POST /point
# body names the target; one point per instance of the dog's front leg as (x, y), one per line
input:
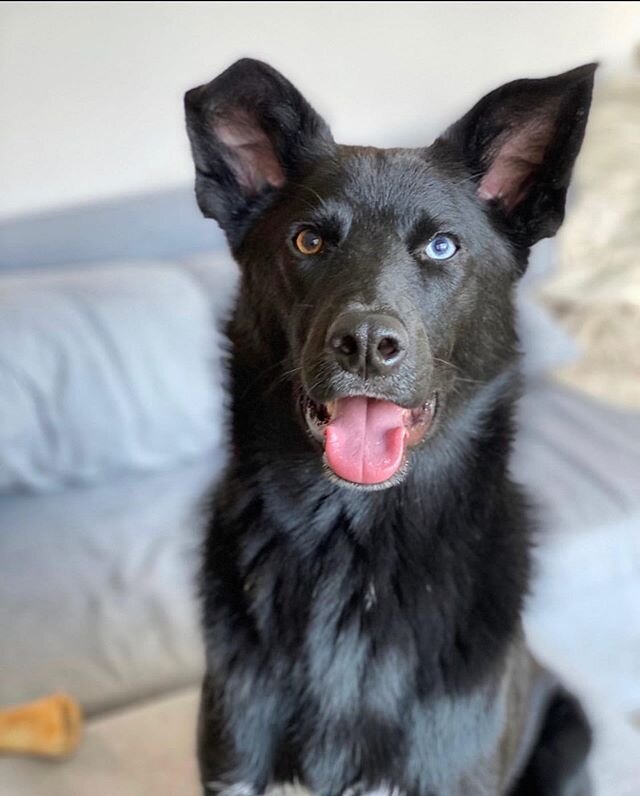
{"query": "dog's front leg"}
(236, 746)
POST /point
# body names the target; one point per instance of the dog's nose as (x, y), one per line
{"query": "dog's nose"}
(367, 344)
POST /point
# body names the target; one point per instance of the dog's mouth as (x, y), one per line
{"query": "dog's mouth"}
(366, 440)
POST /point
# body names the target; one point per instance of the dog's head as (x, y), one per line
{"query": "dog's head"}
(382, 279)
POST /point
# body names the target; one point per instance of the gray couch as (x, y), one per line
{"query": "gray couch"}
(100, 510)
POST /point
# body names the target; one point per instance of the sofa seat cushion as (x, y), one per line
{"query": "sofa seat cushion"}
(98, 591)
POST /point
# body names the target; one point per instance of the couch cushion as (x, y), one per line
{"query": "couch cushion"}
(102, 371)
(97, 589)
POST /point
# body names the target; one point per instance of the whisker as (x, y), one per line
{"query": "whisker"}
(281, 378)
(457, 377)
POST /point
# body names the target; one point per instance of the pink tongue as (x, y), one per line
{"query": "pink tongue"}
(364, 442)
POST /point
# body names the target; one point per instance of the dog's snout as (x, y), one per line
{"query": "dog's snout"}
(367, 344)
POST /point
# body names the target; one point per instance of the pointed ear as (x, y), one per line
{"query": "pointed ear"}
(251, 131)
(520, 142)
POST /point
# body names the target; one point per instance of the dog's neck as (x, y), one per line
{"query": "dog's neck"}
(455, 526)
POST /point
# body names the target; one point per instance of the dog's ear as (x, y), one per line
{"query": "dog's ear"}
(519, 144)
(251, 130)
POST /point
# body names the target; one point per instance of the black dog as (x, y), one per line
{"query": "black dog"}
(368, 554)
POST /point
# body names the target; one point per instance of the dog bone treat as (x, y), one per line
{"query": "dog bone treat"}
(50, 727)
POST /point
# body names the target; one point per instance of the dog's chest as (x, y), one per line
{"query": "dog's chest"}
(364, 673)
(355, 639)
(348, 637)
(351, 621)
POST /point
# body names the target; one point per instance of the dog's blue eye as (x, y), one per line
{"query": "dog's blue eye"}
(440, 248)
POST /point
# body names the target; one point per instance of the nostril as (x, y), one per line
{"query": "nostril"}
(388, 348)
(345, 344)
(367, 344)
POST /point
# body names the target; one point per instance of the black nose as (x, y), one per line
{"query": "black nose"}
(367, 344)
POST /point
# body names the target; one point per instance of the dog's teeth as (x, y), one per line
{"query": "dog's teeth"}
(429, 404)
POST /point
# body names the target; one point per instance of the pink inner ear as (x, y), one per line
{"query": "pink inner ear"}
(520, 154)
(252, 156)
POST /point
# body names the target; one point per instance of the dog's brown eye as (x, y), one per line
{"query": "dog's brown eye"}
(307, 241)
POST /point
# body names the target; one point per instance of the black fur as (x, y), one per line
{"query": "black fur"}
(358, 638)
(561, 747)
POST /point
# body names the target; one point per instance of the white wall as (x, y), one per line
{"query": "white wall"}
(91, 93)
